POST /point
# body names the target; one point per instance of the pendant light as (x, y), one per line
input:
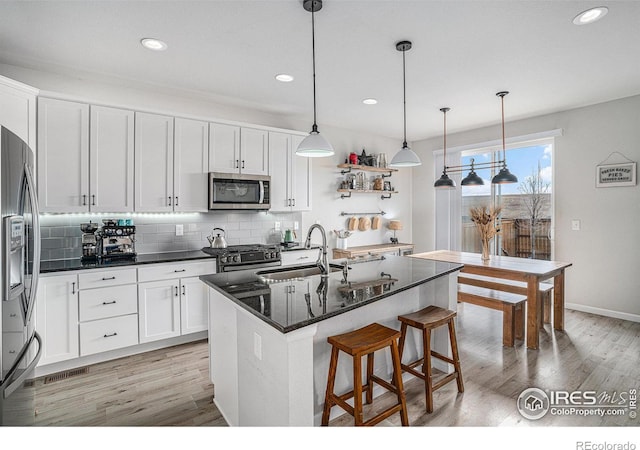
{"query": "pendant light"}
(405, 157)
(472, 179)
(504, 176)
(314, 145)
(445, 182)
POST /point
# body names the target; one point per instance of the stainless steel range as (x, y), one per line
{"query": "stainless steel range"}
(242, 257)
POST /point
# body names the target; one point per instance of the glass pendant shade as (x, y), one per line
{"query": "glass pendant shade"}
(472, 179)
(405, 158)
(504, 177)
(314, 146)
(444, 182)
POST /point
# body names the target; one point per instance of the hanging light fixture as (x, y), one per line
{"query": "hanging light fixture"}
(314, 145)
(405, 157)
(445, 182)
(504, 176)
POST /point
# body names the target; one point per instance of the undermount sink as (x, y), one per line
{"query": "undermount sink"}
(293, 272)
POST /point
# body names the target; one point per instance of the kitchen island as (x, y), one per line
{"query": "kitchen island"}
(269, 356)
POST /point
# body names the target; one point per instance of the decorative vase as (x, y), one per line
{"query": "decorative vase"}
(485, 249)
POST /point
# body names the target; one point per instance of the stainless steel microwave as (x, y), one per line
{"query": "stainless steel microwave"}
(239, 191)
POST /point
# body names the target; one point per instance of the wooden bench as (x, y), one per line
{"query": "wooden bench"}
(515, 287)
(511, 305)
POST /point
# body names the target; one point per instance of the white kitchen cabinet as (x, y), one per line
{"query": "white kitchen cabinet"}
(158, 310)
(18, 112)
(194, 305)
(191, 161)
(172, 301)
(234, 149)
(111, 159)
(224, 148)
(153, 163)
(63, 156)
(85, 157)
(290, 174)
(57, 318)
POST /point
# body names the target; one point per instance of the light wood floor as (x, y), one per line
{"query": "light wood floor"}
(170, 387)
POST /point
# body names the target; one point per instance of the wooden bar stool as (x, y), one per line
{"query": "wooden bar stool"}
(426, 320)
(358, 343)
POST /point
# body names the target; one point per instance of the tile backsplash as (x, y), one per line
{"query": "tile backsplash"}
(61, 235)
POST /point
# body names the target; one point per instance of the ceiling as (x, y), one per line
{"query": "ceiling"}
(229, 51)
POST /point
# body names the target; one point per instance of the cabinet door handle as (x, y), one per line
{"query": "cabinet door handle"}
(108, 278)
(184, 291)
(181, 270)
(177, 292)
(243, 163)
(237, 165)
(294, 202)
(112, 302)
(288, 202)
(13, 315)
(169, 200)
(176, 201)
(111, 335)
(84, 200)
(304, 257)
(73, 287)
(93, 199)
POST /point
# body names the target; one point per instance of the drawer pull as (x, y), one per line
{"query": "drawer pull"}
(13, 315)
(112, 302)
(12, 352)
(108, 278)
(181, 270)
(304, 257)
(110, 335)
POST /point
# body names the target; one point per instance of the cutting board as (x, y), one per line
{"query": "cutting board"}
(364, 224)
(375, 223)
(353, 224)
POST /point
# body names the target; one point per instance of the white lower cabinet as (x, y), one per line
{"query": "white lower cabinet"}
(158, 310)
(108, 334)
(194, 306)
(57, 317)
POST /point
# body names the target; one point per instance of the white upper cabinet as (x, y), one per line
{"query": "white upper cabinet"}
(18, 111)
(191, 161)
(153, 163)
(254, 151)
(63, 156)
(234, 149)
(85, 157)
(290, 174)
(111, 160)
(224, 148)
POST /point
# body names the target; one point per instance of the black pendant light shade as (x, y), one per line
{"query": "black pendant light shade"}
(504, 176)
(472, 179)
(444, 182)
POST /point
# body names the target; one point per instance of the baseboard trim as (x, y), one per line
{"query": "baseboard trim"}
(603, 312)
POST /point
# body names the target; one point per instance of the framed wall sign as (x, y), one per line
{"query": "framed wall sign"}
(614, 175)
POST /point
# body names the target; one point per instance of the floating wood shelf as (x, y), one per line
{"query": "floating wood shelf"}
(351, 167)
(383, 194)
(368, 250)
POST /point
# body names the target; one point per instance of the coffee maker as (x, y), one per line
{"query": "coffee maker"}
(90, 247)
(117, 240)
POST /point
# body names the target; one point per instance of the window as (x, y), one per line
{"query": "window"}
(526, 228)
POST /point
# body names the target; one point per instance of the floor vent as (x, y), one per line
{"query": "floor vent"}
(66, 374)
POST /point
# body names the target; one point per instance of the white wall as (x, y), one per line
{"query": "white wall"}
(326, 202)
(606, 251)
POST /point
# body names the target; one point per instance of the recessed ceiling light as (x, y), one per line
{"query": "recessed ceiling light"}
(153, 44)
(369, 101)
(590, 15)
(285, 78)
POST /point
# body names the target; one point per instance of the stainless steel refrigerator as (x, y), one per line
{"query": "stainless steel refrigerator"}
(19, 264)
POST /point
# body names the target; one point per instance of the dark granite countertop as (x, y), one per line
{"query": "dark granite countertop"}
(63, 265)
(293, 304)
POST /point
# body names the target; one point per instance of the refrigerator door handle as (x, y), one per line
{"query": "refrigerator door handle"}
(35, 213)
(17, 382)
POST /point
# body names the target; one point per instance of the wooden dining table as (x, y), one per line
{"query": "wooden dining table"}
(529, 271)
